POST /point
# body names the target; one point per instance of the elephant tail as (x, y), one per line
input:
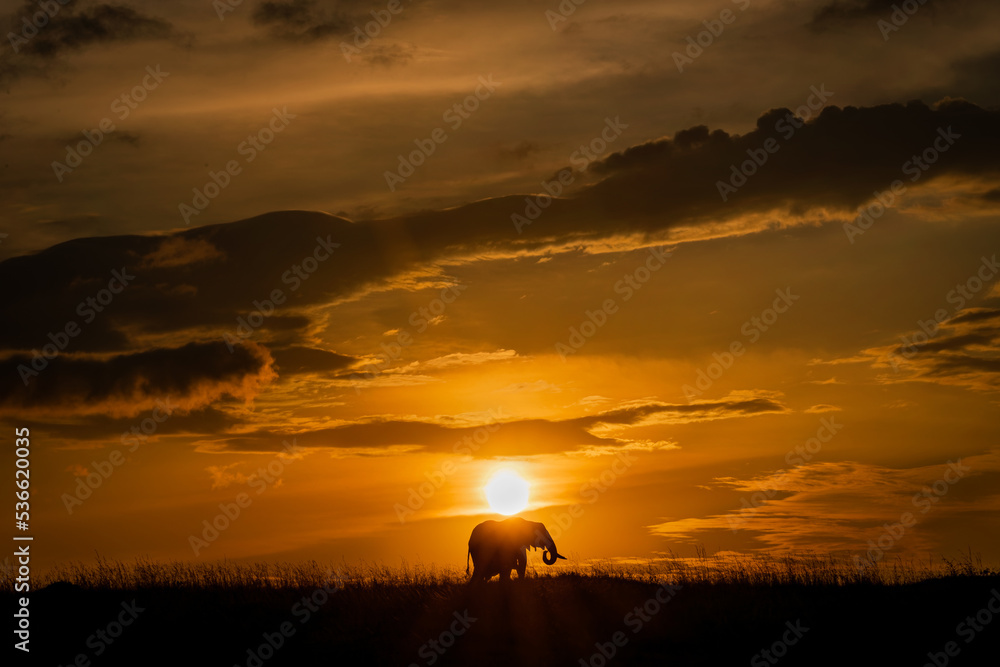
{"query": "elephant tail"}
(469, 553)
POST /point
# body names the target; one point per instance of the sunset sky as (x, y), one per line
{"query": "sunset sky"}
(700, 273)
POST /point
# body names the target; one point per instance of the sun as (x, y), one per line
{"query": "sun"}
(507, 492)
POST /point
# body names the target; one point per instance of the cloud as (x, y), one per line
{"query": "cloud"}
(78, 470)
(460, 359)
(72, 29)
(838, 506)
(603, 433)
(815, 166)
(976, 315)
(821, 408)
(191, 377)
(91, 428)
(964, 351)
(209, 282)
(225, 476)
(846, 11)
(643, 193)
(302, 20)
(654, 412)
(297, 359)
(177, 251)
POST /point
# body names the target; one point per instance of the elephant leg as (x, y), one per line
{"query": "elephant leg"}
(520, 564)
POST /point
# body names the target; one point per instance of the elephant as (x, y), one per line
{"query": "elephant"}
(497, 547)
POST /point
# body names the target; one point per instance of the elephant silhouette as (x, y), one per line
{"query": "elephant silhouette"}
(497, 547)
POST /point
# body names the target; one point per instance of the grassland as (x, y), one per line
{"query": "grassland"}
(706, 611)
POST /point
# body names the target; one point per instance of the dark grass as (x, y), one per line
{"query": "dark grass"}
(724, 612)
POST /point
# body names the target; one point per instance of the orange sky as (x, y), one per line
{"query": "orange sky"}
(761, 312)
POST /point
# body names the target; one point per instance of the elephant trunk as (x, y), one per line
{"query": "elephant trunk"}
(542, 539)
(550, 555)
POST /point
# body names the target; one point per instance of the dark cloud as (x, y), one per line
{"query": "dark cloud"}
(849, 10)
(191, 377)
(299, 359)
(976, 315)
(99, 427)
(219, 280)
(508, 438)
(965, 352)
(303, 20)
(846, 11)
(74, 28)
(841, 504)
(208, 277)
(962, 365)
(951, 343)
(835, 161)
(636, 413)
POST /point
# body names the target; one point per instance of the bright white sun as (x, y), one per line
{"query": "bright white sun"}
(507, 492)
